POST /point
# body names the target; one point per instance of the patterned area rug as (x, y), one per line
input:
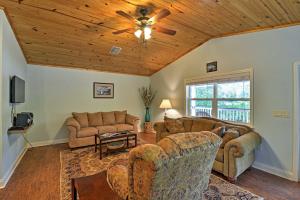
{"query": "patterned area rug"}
(84, 162)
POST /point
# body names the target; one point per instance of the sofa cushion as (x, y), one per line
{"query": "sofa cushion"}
(219, 124)
(124, 127)
(242, 130)
(187, 124)
(108, 118)
(230, 134)
(95, 119)
(120, 117)
(174, 125)
(82, 119)
(107, 129)
(87, 132)
(202, 125)
(218, 166)
(220, 155)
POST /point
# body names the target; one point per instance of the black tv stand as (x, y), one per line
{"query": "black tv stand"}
(18, 128)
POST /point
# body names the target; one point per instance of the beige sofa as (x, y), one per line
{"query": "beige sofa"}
(236, 152)
(83, 126)
(177, 167)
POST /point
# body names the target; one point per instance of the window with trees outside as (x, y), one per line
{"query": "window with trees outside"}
(227, 98)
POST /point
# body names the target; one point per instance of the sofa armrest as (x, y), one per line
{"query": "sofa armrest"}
(73, 122)
(160, 130)
(159, 127)
(239, 154)
(243, 144)
(130, 119)
(144, 157)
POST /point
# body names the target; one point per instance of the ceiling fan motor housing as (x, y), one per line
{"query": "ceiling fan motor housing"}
(144, 11)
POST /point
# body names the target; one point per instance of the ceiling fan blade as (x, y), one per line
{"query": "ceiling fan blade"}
(162, 14)
(165, 30)
(124, 14)
(122, 31)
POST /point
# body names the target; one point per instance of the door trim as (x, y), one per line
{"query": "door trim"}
(296, 121)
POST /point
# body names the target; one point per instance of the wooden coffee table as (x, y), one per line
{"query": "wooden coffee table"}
(93, 187)
(125, 137)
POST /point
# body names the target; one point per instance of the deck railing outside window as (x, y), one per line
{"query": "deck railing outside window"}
(228, 100)
(227, 114)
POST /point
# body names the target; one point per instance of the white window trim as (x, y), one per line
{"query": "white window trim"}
(213, 76)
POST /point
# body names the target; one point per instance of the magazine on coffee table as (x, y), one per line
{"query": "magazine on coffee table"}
(113, 134)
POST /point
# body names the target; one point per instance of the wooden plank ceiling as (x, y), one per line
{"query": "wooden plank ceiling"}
(78, 33)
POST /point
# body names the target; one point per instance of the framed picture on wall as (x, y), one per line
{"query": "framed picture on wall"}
(212, 66)
(103, 90)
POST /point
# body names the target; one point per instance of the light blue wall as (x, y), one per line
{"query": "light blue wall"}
(12, 63)
(54, 93)
(271, 54)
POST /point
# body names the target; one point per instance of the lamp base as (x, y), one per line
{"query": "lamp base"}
(165, 116)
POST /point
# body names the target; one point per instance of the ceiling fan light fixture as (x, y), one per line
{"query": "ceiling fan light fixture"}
(147, 33)
(144, 23)
(147, 36)
(138, 33)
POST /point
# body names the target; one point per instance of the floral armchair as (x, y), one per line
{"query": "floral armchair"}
(178, 167)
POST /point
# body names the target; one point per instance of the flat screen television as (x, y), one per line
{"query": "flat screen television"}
(17, 90)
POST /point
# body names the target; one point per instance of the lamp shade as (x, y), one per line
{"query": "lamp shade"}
(165, 104)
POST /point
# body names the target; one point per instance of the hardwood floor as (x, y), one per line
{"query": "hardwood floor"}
(37, 178)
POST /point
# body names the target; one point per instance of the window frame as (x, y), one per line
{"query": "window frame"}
(213, 78)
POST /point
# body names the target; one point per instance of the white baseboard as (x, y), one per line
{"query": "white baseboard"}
(9, 173)
(273, 170)
(49, 142)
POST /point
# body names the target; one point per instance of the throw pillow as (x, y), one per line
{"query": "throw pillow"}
(219, 131)
(82, 119)
(230, 134)
(243, 130)
(108, 118)
(95, 119)
(202, 125)
(174, 125)
(218, 124)
(120, 116)
(187, 124)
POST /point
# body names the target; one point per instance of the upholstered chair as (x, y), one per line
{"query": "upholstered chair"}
(177, 168)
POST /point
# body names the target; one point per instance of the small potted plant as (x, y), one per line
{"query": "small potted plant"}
(147, 96)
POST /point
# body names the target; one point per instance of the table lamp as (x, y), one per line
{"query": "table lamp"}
(165, 104)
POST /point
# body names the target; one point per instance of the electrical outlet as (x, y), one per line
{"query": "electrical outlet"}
(280, 113)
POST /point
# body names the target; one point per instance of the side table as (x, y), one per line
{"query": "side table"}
(93, 187)
(148, 127)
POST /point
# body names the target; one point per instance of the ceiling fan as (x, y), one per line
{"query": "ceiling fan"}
(144, 24)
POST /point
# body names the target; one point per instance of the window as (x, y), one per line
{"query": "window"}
(226, 97)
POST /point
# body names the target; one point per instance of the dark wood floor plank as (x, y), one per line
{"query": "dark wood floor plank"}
(37, 178)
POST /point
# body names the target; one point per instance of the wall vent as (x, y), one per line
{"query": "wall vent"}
(115, 50)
